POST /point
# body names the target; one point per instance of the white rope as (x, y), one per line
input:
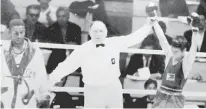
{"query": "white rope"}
(129, 50)
(131, 91)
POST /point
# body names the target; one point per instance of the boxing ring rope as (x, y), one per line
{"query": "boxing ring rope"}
(130, 91)
(129, 50)
(187, 94)
(191, 97)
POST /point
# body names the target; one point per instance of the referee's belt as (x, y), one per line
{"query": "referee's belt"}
(170, 91)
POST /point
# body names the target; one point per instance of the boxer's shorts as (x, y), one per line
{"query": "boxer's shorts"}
(168, 101)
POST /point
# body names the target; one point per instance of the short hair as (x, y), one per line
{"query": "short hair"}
(34, 6)
(150, 40)
(16, 22)
(39, 0)
(162, 24)
(179, 42)
(61, 8)
(150, 81)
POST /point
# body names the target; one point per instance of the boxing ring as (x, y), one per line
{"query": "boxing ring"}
(194, 97)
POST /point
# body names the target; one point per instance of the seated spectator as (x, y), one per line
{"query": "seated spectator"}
(62, 32)
(155, 63)
(173, 8)
(97, 8)
(146, 101)
(201, 37)
(164, 29)
(35, 30)
(201, 10)
(47, 14)
(8, 12)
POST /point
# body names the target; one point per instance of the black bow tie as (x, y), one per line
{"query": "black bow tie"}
(150, 102)
(98, 45)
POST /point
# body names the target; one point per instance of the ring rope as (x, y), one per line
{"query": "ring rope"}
(129, 50)
(131, 91)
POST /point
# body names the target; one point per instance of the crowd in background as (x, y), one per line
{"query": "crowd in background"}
(45, 23)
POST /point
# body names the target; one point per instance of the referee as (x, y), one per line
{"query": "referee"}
(99, 61)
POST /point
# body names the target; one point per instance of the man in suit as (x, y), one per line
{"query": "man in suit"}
(164, 29)
(62, 32)
(155, 63)
(173, 8)
(35, 30)
(202, 8)
(201, 38)
(8, 12)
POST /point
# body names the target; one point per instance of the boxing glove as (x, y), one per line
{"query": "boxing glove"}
(151, 9)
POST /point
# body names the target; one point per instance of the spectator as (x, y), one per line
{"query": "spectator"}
(201, 38)
(173, 8)
(97, 8)
(164, 29)
(100, 14)
(201, 10)
(47, 14)
(62, 32)
(146, 101)
(154, 62)
(35, 30)
(8, 12)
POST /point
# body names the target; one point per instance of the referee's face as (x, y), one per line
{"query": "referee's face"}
(98, 32)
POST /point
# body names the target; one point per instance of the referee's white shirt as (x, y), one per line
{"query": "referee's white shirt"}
(100, 65)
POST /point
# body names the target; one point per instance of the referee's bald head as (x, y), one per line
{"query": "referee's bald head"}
(98, 24)
(98, 31)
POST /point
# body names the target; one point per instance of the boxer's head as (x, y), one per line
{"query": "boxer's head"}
(179, 44)
(98, 32)
(17, 31)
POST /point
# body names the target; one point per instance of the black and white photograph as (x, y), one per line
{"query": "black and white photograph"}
(116, 54)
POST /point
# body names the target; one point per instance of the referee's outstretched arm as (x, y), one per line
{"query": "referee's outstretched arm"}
(68, 66)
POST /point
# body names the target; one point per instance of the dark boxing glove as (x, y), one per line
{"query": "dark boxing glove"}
(151, 9)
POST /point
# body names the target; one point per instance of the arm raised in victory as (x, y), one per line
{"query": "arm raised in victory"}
(190, 57)
(163, 40)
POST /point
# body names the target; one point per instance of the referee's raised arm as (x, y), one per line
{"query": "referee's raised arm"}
(134, 38)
